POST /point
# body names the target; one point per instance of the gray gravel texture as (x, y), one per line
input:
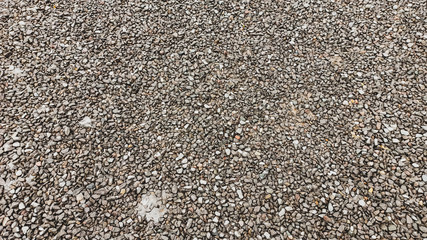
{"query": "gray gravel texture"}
(213, 119)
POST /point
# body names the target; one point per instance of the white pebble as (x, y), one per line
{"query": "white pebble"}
(330, 207)
(239, 192)
(282, 212)
(403, 132)
(21, 206)
(180, 156)
(7, 147)
(288, 208)
(227, 151)
(79, 197)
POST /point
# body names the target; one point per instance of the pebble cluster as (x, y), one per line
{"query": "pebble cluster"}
(210, 119)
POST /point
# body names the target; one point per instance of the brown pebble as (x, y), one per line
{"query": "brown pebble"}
(327, 219)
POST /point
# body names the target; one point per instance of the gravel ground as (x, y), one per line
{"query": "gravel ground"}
(213, 119)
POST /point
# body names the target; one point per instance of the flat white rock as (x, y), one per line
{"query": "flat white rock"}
(151, 208)
(86, 122)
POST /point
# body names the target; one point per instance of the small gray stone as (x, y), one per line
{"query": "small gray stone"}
(392, 227)
(67, 131)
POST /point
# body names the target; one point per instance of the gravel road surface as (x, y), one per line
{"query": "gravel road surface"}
(206, 119)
